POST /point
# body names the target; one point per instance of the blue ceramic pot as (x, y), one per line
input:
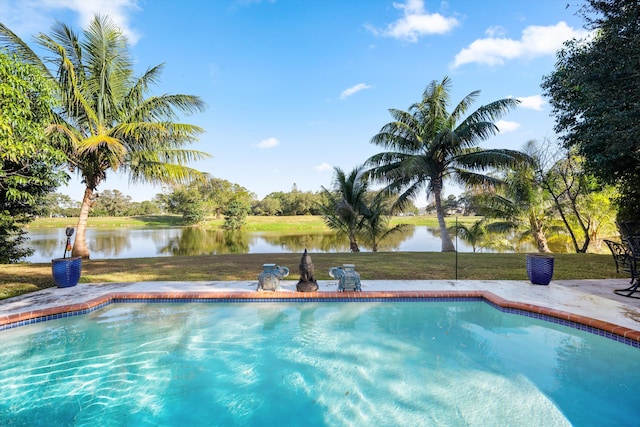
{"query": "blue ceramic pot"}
(66, 271)
(539, 268)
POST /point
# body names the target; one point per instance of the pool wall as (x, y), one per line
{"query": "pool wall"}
(618, 333)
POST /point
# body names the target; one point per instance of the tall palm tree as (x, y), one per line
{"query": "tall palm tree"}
(427, 145)
(104, 119)
(345, 204)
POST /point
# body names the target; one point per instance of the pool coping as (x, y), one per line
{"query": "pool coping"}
(599, 327)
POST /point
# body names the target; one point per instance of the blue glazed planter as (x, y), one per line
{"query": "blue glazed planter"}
(66, 271)
(539, 268)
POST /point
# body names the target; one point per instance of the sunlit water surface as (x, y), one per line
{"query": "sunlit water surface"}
(126, 242)
(314, 364)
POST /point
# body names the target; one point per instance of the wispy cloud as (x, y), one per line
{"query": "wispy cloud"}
(506, 126)
(353, 89)
(415, 22)
(495, 31)
(268, 143)
(535, 41)
(324, 166)
(38, 11)
(535, 102)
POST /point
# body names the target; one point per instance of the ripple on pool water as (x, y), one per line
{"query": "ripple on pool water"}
(308, 364)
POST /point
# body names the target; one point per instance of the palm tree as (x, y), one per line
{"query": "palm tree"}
(344, 206)
(521, 206)
(376, 221)
(473, 234)
(427, 145)
(104, 119)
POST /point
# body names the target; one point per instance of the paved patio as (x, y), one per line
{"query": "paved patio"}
(590, 302)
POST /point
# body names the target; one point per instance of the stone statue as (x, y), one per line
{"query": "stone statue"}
(306, 283)
(348, 277)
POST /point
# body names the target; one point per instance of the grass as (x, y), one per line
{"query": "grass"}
(116, 221)
(17, 279)
(254, 223)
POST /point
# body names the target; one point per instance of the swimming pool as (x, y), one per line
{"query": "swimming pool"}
(314, 363)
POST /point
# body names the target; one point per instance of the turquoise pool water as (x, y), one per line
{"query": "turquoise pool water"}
(314, 364)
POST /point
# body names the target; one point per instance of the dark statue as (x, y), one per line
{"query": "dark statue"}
(306, 283)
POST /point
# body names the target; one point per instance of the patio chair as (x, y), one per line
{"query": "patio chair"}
(625, 258)
(622, 256)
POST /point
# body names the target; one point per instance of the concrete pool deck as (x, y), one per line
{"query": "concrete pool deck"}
(587, 302)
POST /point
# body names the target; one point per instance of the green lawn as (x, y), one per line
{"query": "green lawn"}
(16, 279)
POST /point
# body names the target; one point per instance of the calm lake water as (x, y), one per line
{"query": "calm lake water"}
(110, 243)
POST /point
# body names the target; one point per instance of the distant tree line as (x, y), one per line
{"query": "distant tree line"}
(196, 202)
(108, 203)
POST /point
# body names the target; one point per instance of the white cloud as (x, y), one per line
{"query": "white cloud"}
(117, 10)
(324, 166)
(495, 31)
(535, 41)
(268, 143)
(505, 126)
(353, 89)
(38, 12)
(415, 22)
(23, 17)
(535, 102)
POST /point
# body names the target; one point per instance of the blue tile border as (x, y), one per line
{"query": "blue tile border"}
(568, 323)
(516, 311)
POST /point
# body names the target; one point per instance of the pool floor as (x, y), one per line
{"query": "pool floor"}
(406, 362)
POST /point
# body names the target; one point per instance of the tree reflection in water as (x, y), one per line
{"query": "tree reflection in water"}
(110, 243)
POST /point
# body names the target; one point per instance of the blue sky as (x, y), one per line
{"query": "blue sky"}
(296, 87)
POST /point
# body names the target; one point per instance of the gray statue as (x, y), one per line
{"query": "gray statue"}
(306, 283)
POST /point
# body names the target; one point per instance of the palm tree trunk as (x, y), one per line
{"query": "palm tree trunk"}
(447, 244)
(353, 244)
(80, 247)
(541, 241)
(539, 236)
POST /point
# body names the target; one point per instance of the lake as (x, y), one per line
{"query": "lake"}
(111, 243)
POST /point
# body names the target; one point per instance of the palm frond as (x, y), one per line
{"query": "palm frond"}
(168, 156)
(16, 46)
(63, 35)
(501, 226)
(462, 107)
(476, 181)
(138, 90)
(110, 151)
(162, 173)
(479, 159)
(162, 108)
(492, 111)
(108, 62)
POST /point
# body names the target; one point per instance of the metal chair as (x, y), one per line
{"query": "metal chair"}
(625, 256)
(622, 256)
